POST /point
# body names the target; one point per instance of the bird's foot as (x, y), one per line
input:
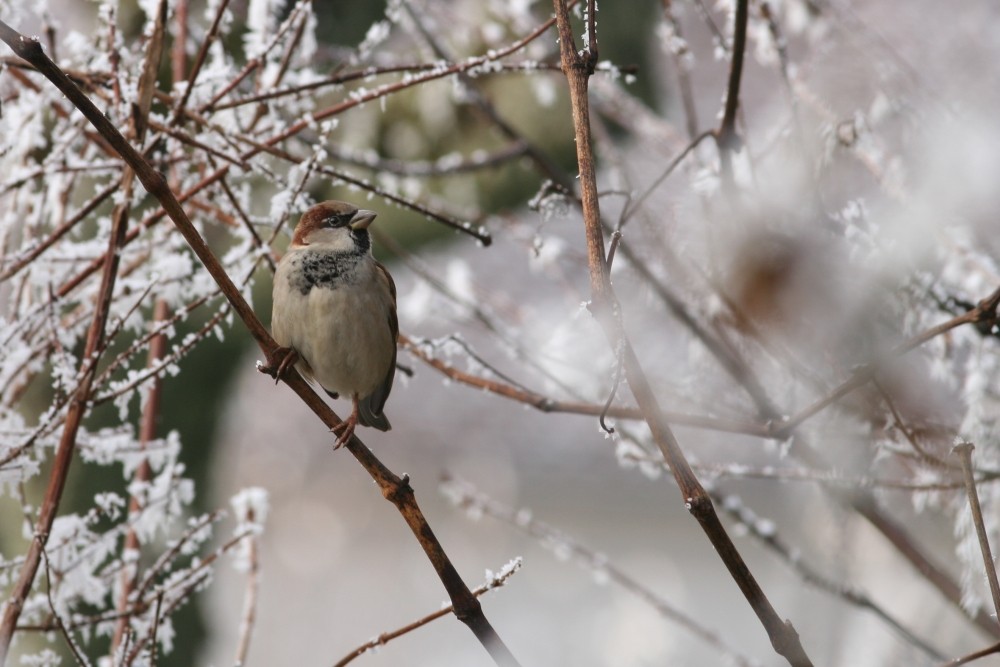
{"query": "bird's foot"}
(278, 362)
(345, 429)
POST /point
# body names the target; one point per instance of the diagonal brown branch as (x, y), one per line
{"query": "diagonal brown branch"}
(964, 452)
(546, 404)
(783, 636)
(397, 490)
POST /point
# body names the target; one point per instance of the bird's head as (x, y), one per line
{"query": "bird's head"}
(335, 225)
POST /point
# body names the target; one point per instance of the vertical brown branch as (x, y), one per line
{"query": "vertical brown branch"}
(577, 77)
(147, 432)
(249, 615)
(198, 62)
(178, 52)
(151, 410)
(726, 136)
(683, 79)
(783, 636)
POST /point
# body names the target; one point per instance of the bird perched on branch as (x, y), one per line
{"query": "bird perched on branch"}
(334, 312)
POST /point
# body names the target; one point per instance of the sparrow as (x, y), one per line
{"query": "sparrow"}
(334, 312)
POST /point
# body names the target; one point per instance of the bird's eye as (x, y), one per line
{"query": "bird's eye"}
(335, 221)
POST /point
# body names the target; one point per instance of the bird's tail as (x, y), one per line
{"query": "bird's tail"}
(368, 417)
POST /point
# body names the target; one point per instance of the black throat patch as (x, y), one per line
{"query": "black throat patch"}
(327, 270)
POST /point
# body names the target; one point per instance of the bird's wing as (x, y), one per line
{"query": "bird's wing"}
(381, 393)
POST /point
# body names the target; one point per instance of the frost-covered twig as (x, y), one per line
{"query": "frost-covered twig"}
(444, 166)
(143, 473)
(249, 615)
(70, 642)
(339, 78)
(60, 231)
(494, 580)
(828, 478)
(681, 56)
(545, 164)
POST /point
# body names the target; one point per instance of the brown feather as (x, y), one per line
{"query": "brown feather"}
(381, 395)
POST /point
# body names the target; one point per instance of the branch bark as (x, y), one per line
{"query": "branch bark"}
(726, 137)
(783, 636)
(964, 452)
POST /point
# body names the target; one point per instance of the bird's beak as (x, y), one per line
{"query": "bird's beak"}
(362, 219)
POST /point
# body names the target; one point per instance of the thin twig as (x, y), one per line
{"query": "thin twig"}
(143, 473)
(546, 404)
(681, 66)
(60, 231)
(74, 649)
(972, 657)
(498, 580)
(964, 451)
(249, 615)
(542, 161)
(641, 199)
(726, 136)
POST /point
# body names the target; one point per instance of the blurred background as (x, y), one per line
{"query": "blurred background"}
(864, 213)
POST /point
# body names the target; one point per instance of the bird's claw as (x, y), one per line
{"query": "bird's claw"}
(344, 431)
(278, 362)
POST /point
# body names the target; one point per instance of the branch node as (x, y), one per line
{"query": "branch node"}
(699, 505)
(398, 491)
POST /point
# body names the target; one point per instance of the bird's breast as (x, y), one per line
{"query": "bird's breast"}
(336, 314)
(325, 270)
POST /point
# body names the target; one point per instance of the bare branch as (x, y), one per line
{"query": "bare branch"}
(498, 580)
(783, 636)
